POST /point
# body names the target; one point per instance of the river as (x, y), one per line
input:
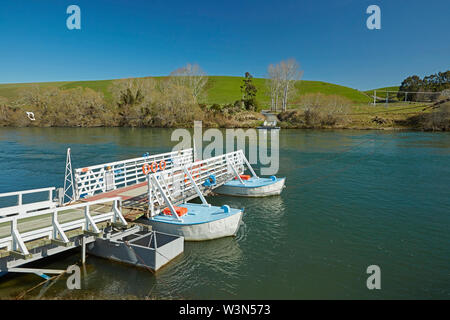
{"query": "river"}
(353, 199)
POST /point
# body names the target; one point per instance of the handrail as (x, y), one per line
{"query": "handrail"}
(109, 176)
(20, 207)
(164, 184)
(56, 231)
(58, 209)
(98, 166)
(14, 193)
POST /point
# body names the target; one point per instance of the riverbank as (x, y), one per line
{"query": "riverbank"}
(359, 117)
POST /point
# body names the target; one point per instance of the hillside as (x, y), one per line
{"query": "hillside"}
(381, 92)
(219, 89)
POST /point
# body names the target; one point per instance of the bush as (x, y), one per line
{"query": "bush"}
(324, 110)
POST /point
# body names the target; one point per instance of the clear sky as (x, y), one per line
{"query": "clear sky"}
(136, 38)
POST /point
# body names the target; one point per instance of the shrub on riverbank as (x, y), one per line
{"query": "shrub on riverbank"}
(133, 103)
(55, 107)
(317, 110)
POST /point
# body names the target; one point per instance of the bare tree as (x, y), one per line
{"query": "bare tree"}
(290, 73)
(274, 84)
(192, 77)
(282, 78)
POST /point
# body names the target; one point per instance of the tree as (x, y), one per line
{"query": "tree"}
(274, 84)
(431, 83)
(282, 78)
(130, 96)
(249, 90)
(192, 77)
(290, 73)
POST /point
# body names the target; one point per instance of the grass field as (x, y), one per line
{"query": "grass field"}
(219, 89)
(381, 92)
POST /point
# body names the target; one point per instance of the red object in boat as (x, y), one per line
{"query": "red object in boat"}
(243, 177)
(179, 210)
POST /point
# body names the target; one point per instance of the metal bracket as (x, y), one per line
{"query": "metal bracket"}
(166, 199)
(90, 222)
(200, 194)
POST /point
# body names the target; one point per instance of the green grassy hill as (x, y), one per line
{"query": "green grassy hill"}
(381, 92)
(219, 89)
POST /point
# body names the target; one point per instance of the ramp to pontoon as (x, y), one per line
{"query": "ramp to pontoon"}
(30, 236)
(178, 183)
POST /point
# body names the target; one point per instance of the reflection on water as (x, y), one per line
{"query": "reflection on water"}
(378, 198)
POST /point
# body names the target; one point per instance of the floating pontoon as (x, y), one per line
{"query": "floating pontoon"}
(40, 229)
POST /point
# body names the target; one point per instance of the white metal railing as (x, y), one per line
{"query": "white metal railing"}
(109, 176)
(21, 208)
(166, 186)
(15, 241)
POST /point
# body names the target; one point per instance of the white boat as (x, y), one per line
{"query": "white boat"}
(201, 222)
(253, 187)
(195, 222)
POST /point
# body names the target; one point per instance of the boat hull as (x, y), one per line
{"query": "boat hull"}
(242, 191)
(209, 230)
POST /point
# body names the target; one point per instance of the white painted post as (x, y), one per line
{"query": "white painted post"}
(195, 186)
(89, 220)
(244, 158)
(17, 242)
(234, 170)
(150, 197)
(83, 250)
(166, 199)
(117, 213)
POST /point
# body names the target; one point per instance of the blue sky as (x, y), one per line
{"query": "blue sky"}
(121, 39)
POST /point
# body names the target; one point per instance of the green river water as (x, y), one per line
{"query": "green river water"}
(353, 199)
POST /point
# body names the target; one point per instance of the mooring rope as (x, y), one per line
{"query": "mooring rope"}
(23, 294)
(145, 265)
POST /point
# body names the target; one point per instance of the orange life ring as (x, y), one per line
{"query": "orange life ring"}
(162, 165)
(146, 168)
(154, 167)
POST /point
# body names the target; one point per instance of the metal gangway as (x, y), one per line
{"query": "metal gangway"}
(20, 207)
(180, 184)
(32, 235)
(120, 174)
(129, 179)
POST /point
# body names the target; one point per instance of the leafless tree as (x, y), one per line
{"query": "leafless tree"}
(274, 84)
(282, 78)
(290, 73)
(192, 77)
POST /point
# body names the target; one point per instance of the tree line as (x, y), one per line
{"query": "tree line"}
(170, 101)
(427, 88)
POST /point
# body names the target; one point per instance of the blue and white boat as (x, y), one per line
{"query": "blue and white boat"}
(252, 187)
(193, 221)
(201, 222)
